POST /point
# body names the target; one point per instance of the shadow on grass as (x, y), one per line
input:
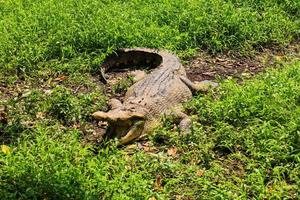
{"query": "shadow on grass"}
(31, 185)
(9, 133)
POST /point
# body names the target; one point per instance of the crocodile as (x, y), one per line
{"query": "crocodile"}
(160, 92)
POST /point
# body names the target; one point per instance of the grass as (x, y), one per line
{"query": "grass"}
(36, 34)
(245, 139)
(245, 144)
(122, 85)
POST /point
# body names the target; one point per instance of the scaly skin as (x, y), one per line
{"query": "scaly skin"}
(165, 88)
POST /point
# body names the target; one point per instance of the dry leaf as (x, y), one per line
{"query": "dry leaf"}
(246, 75)
(28, 123)
(3, 118)
(200, 172)
(61, 78)
(209, 73)
(158, 183)
(5, 149)
(146, 147)
(278, 58)
(220, 59)
(150, 149)
(172, 151)
(48, 92)
(152, 198)
(178, 197)
(26, 93)
(2, 108)
(40, 115)
(131, 147)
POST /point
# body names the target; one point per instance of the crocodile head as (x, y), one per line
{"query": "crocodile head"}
(124, 124)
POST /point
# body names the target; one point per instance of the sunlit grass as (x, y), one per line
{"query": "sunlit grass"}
(245, 144)
(245, 139)
(76, 35)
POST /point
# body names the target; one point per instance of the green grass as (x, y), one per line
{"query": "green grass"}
(122, 85)
(245, 142)
(76, 35)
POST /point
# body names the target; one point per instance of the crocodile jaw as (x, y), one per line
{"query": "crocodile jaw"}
(125, 124)
(117, 115)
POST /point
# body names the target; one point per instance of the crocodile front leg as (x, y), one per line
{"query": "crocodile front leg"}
(114, 103)
(185, 124)
(183, 120)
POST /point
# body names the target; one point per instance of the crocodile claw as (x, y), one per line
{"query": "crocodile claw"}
(100, 115)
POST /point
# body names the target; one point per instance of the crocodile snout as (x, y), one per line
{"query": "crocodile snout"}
(115, 116)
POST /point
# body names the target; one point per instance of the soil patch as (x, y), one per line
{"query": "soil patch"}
(207, 67)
